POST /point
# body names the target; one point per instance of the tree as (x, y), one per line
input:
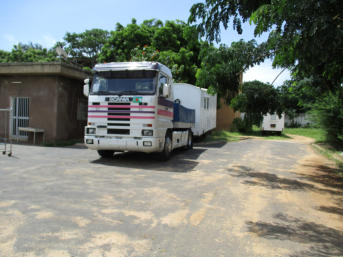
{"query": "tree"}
(124, 39)
(327, 112)
(84, 48)
(174, 44)
(256, 100)
(28, 53)
(298, 96)
(305, 34)
(4, 56)
(221, 68)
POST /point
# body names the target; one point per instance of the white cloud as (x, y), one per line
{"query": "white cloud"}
(265, 73)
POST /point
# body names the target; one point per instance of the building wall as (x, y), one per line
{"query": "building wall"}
(225, 116)
(72, 109)
(42, 93)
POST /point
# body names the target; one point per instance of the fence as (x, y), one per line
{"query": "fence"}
(5, 141)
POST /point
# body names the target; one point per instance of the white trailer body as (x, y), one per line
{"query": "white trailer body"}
(204, 104)
(272, 122)
(131, 108)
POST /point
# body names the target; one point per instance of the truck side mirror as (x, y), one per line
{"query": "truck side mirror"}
(86, 87)
(165, 90)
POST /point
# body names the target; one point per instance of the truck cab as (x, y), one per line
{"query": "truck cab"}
(130, 108)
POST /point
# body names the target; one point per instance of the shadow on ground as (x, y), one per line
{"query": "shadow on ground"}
(210, 144)
(326, 176)
(181, 161)
(322, 240)
(272, 181)
(332, 209)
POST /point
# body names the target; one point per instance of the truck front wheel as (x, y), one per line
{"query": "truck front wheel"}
(167, 149)
(106, 153)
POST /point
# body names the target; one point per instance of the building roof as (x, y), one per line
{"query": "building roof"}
(43, 68)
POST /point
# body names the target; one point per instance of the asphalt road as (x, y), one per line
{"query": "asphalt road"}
(247, 198)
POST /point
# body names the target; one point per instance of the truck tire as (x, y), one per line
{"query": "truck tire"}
(190, 140)
(106, 153)
(167, 149)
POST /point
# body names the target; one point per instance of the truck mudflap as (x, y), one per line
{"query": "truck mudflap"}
(146, 145)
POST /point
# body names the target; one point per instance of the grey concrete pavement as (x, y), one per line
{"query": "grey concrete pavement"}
(248, 198)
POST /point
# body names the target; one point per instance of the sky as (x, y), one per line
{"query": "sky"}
(46, 21)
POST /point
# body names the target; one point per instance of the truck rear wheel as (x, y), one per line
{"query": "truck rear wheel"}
(106, 153)
(167, 149)
(190, 140)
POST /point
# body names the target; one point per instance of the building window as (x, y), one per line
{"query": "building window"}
(206, 103)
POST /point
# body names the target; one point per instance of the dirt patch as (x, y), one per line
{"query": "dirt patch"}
(176, 218)
(301, 139)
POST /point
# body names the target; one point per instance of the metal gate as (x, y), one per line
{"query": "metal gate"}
(20, 116)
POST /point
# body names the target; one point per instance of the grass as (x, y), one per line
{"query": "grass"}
(228, 136)
(317, 134)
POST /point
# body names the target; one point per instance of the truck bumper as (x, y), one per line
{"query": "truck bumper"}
(146, 145)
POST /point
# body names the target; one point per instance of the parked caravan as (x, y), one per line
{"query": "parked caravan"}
(204, 104)
(272, 122)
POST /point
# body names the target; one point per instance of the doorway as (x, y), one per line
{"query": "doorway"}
(20, 116)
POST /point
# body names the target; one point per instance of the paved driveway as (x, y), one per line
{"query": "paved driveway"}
(248, 198)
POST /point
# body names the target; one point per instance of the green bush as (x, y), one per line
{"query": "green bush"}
(327, 112)
(241, 125)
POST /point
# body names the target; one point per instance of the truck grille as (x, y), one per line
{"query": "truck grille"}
(119, 124)
(118, 131)
(118, 112)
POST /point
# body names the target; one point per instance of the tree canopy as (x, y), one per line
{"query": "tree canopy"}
(221, 68)
(306, 34)
(84, 48)
(173, 43)
(255, 100)
(28, 53)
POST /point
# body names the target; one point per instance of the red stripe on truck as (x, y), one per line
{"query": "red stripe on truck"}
(165, 113)
(121, 117)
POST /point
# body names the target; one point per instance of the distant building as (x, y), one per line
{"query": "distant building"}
(46, 97)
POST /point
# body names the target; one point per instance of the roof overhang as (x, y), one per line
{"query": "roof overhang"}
(42, 68)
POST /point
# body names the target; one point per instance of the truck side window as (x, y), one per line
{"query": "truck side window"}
(162, 81)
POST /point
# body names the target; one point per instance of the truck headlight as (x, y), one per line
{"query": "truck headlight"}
(147, 132)
(89, 141)
(91, 130)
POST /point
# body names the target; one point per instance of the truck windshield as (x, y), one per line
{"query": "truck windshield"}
(124, 83)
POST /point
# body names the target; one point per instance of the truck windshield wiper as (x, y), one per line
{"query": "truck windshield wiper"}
(102, 92)
(127, 93)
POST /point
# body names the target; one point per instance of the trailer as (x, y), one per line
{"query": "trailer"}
(204, 104)
(131, 108)
(273, 123)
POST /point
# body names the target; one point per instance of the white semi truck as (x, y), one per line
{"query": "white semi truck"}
(131, 108)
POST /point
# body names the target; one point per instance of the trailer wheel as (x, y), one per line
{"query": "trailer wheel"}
(167, 149)
(106, 153)
(190, 140)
